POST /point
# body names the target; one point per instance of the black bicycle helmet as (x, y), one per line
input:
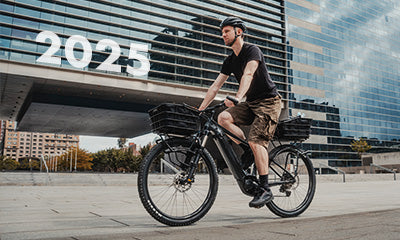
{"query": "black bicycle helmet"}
(234, 22)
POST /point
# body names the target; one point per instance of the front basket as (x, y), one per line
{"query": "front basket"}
(174, 119)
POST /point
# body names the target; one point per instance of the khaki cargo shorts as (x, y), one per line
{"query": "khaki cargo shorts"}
(262, 116)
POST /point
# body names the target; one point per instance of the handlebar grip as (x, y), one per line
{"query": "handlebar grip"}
(234, 100)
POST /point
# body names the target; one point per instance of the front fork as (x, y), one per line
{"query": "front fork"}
(195, 148)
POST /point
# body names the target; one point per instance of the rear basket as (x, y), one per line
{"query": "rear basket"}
(174, 119)
(293, 129)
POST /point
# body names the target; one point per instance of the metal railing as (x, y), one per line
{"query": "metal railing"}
(383, 168)
(42, 160)
(332, 168)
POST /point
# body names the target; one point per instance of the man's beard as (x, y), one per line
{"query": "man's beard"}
(230, 43)
(233, 41)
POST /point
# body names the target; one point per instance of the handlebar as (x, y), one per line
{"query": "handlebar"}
(232, 99)
(208, 109)
(221, 104)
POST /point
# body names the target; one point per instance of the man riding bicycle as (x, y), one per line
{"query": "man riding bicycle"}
(259, 104)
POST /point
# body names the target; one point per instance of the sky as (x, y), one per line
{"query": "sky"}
(94, 144)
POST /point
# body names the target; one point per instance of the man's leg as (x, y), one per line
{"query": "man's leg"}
(262, 130)
(261, 159)
(225, 119)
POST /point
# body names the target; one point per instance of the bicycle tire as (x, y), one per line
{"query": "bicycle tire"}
(291, 200)
(195, 198)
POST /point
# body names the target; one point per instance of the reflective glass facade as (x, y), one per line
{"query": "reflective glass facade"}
(344, 72)
(183, 37)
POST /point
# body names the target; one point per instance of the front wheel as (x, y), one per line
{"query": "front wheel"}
(291, 166)
(166, 193)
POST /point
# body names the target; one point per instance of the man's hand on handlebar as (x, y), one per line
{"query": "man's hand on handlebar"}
(230, 101)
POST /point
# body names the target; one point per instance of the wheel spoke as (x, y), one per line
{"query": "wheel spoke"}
(167, 194)
(291, 198)
(170, 166)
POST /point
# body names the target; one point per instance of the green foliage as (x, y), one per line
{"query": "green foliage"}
(7, 163)
(118, 160)
(29, 164)
(360, 146)
(145, 150)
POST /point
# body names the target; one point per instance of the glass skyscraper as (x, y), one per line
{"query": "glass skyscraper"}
(333, 61)
(344, 73)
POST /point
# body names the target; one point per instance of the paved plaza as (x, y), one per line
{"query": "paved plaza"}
(111, 209)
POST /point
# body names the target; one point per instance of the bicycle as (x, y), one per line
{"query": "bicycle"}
(178, 179)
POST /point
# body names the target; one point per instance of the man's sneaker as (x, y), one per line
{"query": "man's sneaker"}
(262, 197)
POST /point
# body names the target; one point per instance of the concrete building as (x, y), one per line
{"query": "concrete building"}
(389, 159)
(32, 145)
(134, 148)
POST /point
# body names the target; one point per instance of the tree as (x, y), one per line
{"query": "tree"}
(110, 160)
(132, 161)
(145, 150)
(360, 146)
(122, 142)
(100, 161)
(83, 160)
(27, 163)
(118, 160)
(7, 163)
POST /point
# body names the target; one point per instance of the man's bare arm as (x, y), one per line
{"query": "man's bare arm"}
(213, 90)
(245, 82)
(247, 78)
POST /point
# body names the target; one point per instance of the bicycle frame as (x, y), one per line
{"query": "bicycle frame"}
(247, 182)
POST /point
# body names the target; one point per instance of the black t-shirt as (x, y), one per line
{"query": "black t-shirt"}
(262, 86)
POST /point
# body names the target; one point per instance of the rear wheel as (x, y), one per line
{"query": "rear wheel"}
(289, 164)
(166, 193)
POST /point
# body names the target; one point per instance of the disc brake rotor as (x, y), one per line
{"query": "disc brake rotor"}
(180, 182)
